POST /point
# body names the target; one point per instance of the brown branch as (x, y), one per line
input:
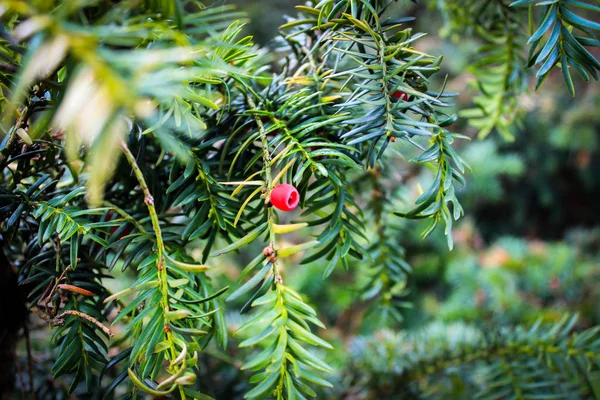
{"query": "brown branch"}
(45, 298)
(60, 320)
(76, 289)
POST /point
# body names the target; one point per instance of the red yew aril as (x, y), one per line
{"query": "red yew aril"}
(400, 95)
(285, 197)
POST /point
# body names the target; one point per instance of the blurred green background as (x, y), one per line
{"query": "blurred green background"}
(265, 16)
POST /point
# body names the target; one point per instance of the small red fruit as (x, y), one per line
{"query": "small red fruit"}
(285, 197)
(400, 95)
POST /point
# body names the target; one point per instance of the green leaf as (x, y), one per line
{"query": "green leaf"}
(249, 238)
(251, 283)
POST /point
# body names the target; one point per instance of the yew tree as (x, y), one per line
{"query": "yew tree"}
(151, 140)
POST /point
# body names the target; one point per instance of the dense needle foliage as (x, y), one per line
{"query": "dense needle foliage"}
(143, 139)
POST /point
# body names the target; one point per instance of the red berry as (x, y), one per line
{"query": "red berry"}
(285, 197)
(400, 95)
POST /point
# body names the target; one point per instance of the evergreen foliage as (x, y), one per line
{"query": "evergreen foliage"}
(559, 34)
(146, 137)
(462, 361)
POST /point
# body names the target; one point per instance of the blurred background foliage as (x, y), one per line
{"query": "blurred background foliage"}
(529, 247)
